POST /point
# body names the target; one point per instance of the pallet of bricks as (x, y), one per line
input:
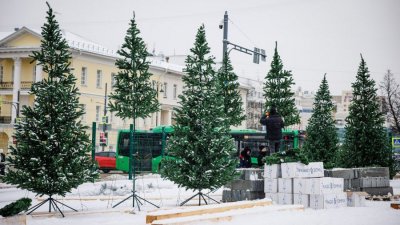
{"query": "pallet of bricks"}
(297, 183)
(249, 185)
(374, 181)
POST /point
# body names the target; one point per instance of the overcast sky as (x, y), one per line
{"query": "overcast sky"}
(314, 36)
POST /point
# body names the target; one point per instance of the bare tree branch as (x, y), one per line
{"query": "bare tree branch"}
(391, 90)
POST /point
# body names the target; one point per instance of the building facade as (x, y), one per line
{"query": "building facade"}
(94, 67)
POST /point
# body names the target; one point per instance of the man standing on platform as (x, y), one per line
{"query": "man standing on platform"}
(274, 123)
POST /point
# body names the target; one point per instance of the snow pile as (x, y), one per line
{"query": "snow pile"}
(167, 195)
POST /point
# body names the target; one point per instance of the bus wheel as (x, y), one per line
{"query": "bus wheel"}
(106, 171)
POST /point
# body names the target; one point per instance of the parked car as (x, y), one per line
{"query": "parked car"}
(105, 160)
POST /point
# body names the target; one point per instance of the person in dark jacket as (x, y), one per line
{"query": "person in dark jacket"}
(274, 123)
(245, 158)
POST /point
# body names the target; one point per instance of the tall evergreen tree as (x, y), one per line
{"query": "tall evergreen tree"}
(200, 142)
(228, 81)
(366, 142)
(133, 95)
(322, 140)
(50, 157)
(278, 93)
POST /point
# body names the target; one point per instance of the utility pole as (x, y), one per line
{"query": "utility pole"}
(105, 119)
(225, 37)
(257, 52)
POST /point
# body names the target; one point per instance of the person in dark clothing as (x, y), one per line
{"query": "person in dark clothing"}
(262, 152)
(245, 158)
(274, 123)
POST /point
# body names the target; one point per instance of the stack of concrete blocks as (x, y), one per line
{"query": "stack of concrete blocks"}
(248, 186)
(372, 180)
(296, 183)
(356, 198)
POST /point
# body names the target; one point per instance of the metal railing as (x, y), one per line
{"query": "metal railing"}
(10, 85)
(5, 119)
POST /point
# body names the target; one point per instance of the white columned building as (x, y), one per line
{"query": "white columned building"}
(38, 72)
(16, 87)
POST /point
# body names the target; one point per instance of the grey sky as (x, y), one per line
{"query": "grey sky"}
(314, 36)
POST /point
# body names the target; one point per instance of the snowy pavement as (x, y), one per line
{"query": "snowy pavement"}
(95, 200)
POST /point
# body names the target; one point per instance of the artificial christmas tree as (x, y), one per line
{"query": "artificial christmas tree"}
(228, 81)
(277, 91)
(322, 142)
(201, 146)
(51, 155)
(366, 142)
(133, 95)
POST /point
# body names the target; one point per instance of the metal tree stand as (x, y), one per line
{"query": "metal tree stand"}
(135, 197)
(201, 196)
(52, 203)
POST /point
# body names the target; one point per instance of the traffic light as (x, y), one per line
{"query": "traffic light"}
(104, 120)
(257, 53)
(256, 56)
(103, 138)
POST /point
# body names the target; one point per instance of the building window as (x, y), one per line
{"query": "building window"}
(83, 117)
(99, 78)
(174, 91)
(34, 73)
(98, 113)
(84, 76)
(113, 80)
(12, 73)
(1, 73)
(165, 89)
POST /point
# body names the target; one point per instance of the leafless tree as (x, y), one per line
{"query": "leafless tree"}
(391, 90)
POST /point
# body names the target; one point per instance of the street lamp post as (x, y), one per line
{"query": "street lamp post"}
(159, 84)
(257, 52)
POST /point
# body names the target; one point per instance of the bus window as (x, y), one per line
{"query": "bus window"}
(124, 144)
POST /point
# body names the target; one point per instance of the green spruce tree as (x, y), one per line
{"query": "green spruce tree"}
(133, 95)
(278, 93)
(201, 144)
(322, 141)
(51, 155)
(228, 81)
(366, 142)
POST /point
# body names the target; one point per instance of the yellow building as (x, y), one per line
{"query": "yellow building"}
(94, 67)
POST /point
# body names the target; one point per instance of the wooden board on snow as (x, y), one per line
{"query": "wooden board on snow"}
(198, 210)
(395, 205)
(227, 215)
(13, 220)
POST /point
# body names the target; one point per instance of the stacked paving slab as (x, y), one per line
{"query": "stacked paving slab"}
(248, 186)
(372, 180)
(296, 183)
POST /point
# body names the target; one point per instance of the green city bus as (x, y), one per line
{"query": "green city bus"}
(149, 146)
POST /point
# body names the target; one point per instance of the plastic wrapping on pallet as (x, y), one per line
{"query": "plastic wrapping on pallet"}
(295, 169)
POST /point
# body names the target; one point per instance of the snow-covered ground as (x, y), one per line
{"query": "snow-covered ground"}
(95, 201)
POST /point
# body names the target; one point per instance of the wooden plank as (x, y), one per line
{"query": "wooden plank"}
(395, 205)
(198, 210)
(226, 216)
(13, 220)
